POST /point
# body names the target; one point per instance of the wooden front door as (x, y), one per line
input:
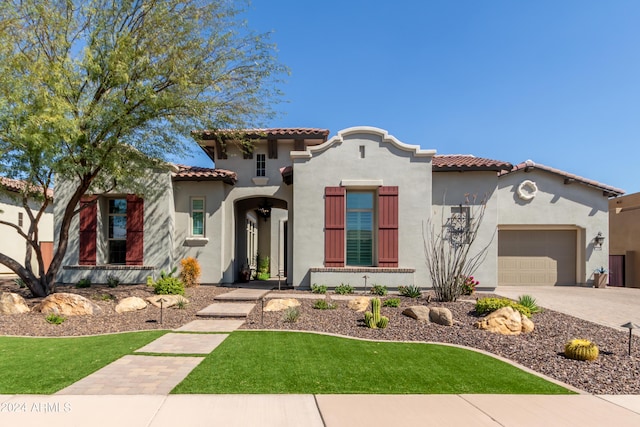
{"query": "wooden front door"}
(616, 270)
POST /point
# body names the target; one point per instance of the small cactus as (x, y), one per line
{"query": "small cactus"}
(580, 349)
(373, 319)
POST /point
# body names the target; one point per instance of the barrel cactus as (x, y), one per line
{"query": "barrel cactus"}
(580, 349)
(373, 319)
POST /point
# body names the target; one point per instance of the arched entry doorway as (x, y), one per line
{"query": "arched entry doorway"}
(261, 238)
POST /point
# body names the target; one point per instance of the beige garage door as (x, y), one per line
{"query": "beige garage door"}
(536, 257)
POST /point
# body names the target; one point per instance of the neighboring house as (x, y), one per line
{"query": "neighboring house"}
(12, 211)
(333, 211)
(624, 242)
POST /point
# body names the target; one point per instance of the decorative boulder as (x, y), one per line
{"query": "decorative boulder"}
(167, 300)
(64, 304)
(281, 304)
(359, 304)
(418, 312)
(11, 303)
(527, 324)
(505, 321)
(130, 304)
(441, 316)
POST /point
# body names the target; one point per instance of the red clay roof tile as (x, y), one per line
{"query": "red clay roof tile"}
(16, 186)
(467, 162)
(267, 132)
(196, 173)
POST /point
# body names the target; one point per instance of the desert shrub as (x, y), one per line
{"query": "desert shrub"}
(262, 276)
(580, 349)
(264, 265)
(469, 285)
(373, 319)
(181, 304)
(343, 289)
(190, 272)
(84, 283)
(54, 319)
(322, 304)
(529, 302)
(379, 290)
(291, 315)
(112, 281)
(168, 286)
(391, 302)
(488, 305)
(19, 282)
(104, 297)
(318, 289)
(411, 291)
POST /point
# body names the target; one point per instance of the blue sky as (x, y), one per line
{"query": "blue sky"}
(551, 81)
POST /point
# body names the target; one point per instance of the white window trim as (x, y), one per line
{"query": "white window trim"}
(261, 171)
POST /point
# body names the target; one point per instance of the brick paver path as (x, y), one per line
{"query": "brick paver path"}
(184, 344)
(211, 325)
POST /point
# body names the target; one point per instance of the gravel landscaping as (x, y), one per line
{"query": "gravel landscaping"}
(614, 372)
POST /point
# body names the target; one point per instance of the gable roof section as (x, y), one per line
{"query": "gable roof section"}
(569, 178)
(467, 162)
(17, 186)
(278, 133)
(196, 173)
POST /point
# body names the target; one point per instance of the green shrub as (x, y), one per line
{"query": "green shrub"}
(262, 276)
(19, 282)
(54, 319)
(181, 304)
(318, 289)
(391, 302)
(529, 302)
(411, 291)
(84, 283)
(168, 286)
(373, 319)
(379, 290)
(579, 349)
(343, 289)
(112, 281)
(469, 285)
(322, 304)
(291, 315)
(263, 265)
(489, 305)
(104, 297)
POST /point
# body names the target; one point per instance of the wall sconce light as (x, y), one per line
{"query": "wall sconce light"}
(598, 241)
(264, 210)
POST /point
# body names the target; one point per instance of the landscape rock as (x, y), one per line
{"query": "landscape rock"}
(11, 303)
(418, 312)
(130, 304)
(441, 316)
(281, 304)
(64, 304)
(505, 321)
(169, 300)
(359, 304)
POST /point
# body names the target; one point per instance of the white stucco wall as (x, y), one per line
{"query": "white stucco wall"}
(558, 206)
(11, 243)
(338, 162)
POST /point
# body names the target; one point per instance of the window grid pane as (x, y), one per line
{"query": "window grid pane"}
(197, 217)
(359, 227)
(261, 165)
(117, 233)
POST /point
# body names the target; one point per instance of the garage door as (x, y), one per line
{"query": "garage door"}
(536, 257)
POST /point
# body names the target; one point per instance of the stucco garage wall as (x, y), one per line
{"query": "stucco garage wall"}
(557, 206)
(338, 161)
(454, 188)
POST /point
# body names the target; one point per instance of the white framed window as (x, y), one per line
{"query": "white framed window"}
(117, 235)
(360, 228)
(261, 165)
(197, 216)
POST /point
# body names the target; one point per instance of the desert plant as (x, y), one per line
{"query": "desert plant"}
(529, 302)
(373, 319)
(104, 297)
(469, 285)
(55, 319)
(262, 276)
(318, 289)
(84, 283)
(291, 315)
(190, 272)
(181, 304)
(391, 302)
(164, 274)
(379, 290)
(343, 289)
(263, 265)
(411, 291)
(322, 304)
(112, 281)
(488, 305)
(580, 349)
(19, 282)
(168, 286)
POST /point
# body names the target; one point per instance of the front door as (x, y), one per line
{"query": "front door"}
(616, 270)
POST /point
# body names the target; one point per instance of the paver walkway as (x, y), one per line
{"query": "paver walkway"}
(184, 344)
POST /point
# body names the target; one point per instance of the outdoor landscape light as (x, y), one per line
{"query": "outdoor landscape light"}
(598, 240)
(631, 327)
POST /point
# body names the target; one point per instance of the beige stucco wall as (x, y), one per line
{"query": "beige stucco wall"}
(558, 206)
(387, 162)
(11, 243)
(624, 232)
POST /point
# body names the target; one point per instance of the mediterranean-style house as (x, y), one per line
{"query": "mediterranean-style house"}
(13, 212)
(624, 247)
(331, 211)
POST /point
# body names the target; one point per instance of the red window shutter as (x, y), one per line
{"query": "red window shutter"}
(334, 211)
(135, 228)
(388, 227)
(88, 226)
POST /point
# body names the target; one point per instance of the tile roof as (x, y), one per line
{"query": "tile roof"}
(467, 162)
(16, 186)
(267, 132)
(196, 173)
(569, 177)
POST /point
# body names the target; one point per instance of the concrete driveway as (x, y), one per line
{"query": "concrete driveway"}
(609, 306)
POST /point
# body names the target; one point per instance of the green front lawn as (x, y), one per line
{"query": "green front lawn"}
(46, 365)
(289, 362)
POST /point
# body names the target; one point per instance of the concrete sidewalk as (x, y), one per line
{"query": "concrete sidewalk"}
(320, 410)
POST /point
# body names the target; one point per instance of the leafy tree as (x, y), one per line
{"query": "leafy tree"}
(92, 92)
